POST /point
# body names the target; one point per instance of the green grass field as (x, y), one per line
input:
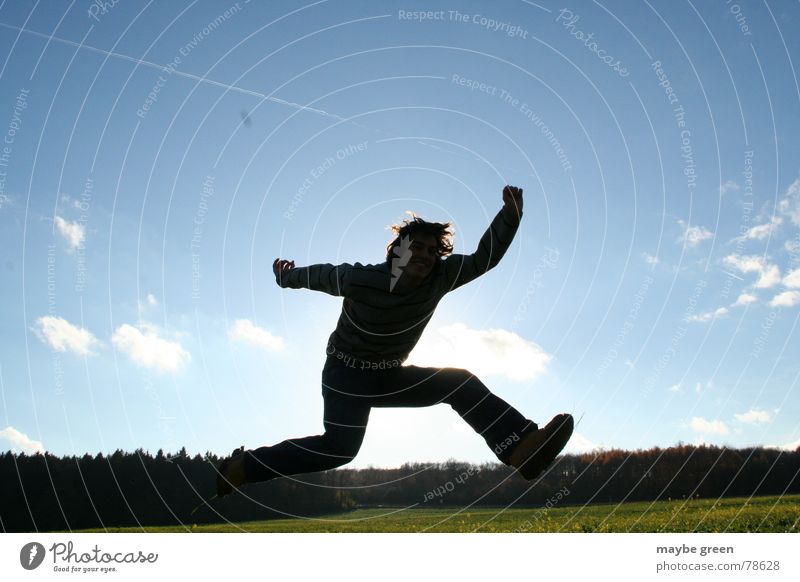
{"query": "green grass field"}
(759, 514)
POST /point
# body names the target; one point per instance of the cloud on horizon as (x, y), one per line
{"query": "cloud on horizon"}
(490, 352)
(703, 426)
(793, 446)
(579, 445)
(754, 417)
(20, 442)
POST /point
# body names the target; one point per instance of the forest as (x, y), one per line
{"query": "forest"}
(43, 492)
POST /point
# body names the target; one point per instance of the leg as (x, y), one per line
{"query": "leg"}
(345, 422)
(500, 424)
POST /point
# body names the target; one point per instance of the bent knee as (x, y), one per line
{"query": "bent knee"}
(461, 375)
(343, 447)
(466, 388)
(467, 380)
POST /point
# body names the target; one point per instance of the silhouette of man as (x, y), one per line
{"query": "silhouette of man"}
(386, 307)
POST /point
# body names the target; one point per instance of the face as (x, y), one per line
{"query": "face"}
(425, 253)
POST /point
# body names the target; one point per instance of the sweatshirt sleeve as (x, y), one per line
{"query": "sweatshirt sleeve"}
(461, 269)
(330, 279)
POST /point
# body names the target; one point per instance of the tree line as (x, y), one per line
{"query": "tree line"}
(43, 492)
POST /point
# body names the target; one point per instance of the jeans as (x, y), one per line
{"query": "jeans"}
(349, 393)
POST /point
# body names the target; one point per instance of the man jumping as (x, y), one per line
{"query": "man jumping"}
(385, 309)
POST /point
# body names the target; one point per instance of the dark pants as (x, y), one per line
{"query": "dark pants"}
(350, 393)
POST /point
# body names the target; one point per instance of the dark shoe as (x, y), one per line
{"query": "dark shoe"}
(230, 473)
(540, 447)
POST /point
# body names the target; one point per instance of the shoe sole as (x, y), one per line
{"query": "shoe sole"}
(548, 451)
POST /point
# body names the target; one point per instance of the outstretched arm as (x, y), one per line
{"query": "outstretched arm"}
(331, 279)
(461, 269)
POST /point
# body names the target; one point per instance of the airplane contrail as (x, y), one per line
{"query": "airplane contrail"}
(234, 88)
(174, 71)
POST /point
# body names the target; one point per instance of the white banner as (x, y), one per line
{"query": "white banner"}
(400, 557)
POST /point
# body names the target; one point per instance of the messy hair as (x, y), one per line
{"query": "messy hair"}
(416, 225)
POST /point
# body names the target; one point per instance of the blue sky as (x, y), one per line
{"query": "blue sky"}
(158, 157)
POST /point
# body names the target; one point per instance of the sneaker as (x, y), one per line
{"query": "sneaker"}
(540, 447)
(230, 473)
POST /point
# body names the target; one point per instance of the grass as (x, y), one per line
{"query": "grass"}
(758, 514)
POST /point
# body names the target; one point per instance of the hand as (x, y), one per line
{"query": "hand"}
(512, 197)
(278, 266)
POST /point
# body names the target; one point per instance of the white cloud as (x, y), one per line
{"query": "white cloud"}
(792, 279)
(245, 331)
(4, 201)
(754, 417)
(770, 274)
(704, 426)
(786, 299)
(698, 387)
(762, 231)
(650, 259)
(62, 336)
(20, 442)
(790, 204)
(793, 446)
(675, 388)
(483, 352)
(729, 186)
(149, 301)
(72, 232)
(708, 316)
(745, 263)
(578, 444)
(745, 299)
(148, 349)
(770, 277)
(693, 235)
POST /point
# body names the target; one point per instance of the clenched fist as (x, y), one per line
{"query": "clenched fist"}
(279, 266)
(512, 197)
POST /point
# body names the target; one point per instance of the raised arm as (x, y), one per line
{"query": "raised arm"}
(461, 269)
(330, 279)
